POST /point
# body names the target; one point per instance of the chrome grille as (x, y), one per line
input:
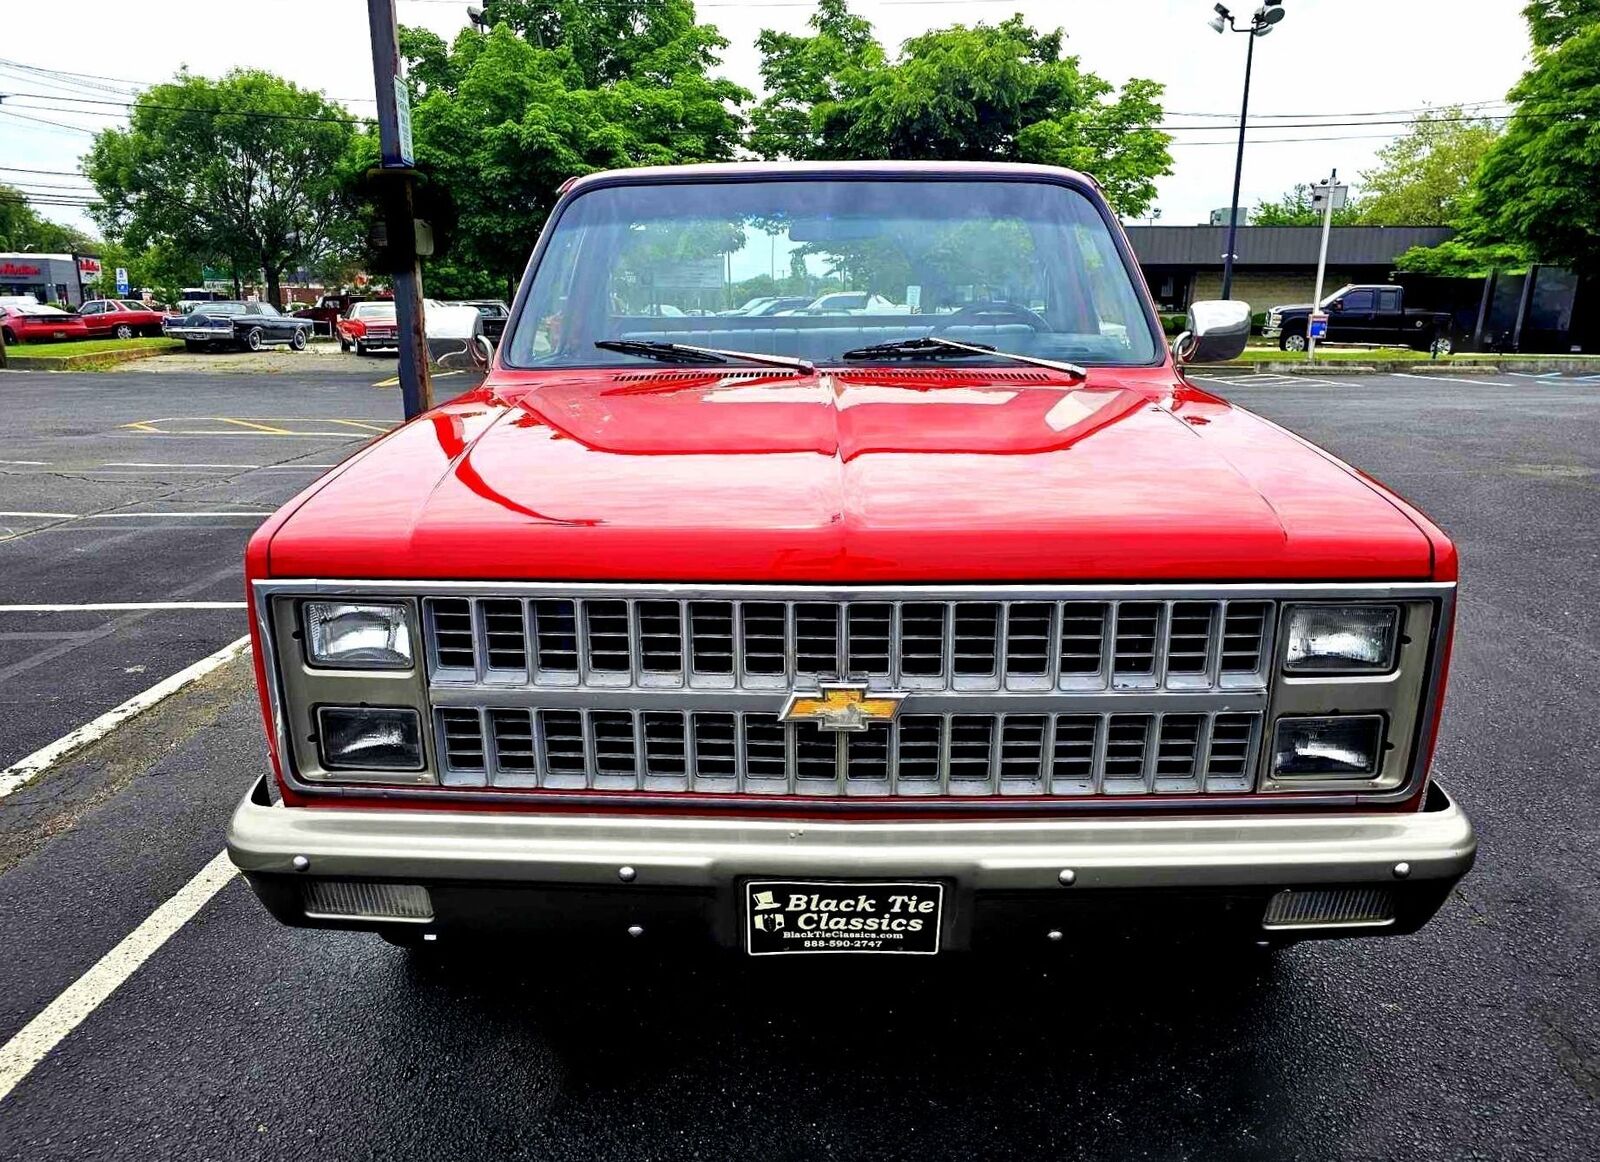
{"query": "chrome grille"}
(765, 645)
(919, 754)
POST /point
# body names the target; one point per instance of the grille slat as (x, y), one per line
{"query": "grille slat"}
(722, 653)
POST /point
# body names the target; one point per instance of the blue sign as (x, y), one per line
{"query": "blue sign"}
(122, 280)
(1319, 325)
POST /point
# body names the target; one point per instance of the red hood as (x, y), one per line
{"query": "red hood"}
(871, 475)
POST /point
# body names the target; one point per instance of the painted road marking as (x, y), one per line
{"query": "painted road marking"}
(44, 515)
(117, 515)
(107, 606)
(158, 464)
(19, 774)
(35, 463)
(1452, 379)
(1535, 374)
(269, 428)
(259, 426)
(64, 1014)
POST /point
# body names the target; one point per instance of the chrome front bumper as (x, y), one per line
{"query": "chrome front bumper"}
(645, 858)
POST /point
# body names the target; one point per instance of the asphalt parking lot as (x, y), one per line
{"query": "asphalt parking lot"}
(1477, 1038)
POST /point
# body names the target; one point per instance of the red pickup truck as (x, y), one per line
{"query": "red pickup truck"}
(956, 622)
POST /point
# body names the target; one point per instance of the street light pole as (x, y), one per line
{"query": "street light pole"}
(399, 215)
(1261, 22)
(1238, 173)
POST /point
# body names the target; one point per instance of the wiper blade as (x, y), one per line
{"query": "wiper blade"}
(934, 347)
(684, 353)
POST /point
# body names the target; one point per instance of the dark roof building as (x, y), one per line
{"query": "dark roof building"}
(1272, 264)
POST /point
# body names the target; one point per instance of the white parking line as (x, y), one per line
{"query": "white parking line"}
(153, 464)
(1452, 379)
(47, 515)
(35, 463)
(1535, 374)
(64, 1014)
(118, 515)
(19, 774)
(108, 606)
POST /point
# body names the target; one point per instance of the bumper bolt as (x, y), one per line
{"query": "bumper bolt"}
(300, 863)
(1054, 935)
(1402, 870)
(1067, 877)
(626, 874)
(635, 930)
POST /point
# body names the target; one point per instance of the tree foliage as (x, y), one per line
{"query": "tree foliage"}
(1552, 23)
(1000, 92)
(553, 91)
(24, 228)
(240, 170)
(1295, 209)
(1423, 178)
(1539, 185)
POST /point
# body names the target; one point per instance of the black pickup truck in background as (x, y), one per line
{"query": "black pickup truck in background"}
(1363, 314)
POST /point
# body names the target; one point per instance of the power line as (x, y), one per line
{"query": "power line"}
(60, 173)
(253, 114)
(42, 121)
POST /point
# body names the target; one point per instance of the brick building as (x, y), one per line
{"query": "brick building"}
(1273, 265)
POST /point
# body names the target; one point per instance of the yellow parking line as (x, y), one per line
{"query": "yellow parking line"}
(256, 426)
(142, 426)
(392, 381)
(359, 424)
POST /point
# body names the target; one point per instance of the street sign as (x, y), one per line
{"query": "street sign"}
(402, 108)
(1320, 193)
(1319, 325)
(122, 280)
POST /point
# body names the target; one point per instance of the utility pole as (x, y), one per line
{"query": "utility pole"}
(1238, 174)
(399, 215)
(1328, 192)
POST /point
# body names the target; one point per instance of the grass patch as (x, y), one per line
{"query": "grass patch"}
(90, 347)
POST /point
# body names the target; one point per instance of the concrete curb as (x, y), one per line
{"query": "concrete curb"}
(1581, 364)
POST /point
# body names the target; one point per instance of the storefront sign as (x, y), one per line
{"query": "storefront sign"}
(89, 271)
(19, 270)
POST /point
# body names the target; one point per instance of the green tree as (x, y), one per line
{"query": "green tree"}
(1539, 185)
(501, 120)
(1554, 22)
(1000, 92)
(1423, 178)
(24, 228)
(242, 169)
(1295, 209)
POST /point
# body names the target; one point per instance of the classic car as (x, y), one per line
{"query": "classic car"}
(896, 633)
(329, 309)
(494, 314)
(237, 324)
(368, 326)
(119, 318)
(21, 323)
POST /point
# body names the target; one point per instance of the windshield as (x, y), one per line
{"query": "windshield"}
(219, 309)
(373, 311)
(811, 269)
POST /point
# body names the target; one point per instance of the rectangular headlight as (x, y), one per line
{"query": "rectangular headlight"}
(366, 738)
(1340, 639)
(1347, 746)
(353, 636)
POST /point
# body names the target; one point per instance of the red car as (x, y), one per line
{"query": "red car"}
(961, 621)
(368, 326)
(40, 324)
(119, 318)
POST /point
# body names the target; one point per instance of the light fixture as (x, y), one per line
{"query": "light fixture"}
(360, 738)
(1340, 639)
(351, 636)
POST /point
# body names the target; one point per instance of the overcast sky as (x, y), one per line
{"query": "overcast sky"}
(1328, 58)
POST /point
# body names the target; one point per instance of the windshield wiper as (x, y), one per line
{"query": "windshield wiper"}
(684, 353)
(934, 347)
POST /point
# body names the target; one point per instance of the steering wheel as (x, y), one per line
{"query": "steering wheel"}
(978, 314)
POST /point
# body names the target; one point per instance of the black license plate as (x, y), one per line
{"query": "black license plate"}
(799, 916)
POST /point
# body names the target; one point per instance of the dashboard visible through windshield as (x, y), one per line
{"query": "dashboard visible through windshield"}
(813, 268)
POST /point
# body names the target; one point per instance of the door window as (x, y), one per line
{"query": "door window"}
(1358, 300)
(1389, 300)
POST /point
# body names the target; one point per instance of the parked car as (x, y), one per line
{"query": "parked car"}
(778, 306)
(40, 324)
(119, 318)
(861, 633)
(368, 326)
(329, 309)
(853, 303)
(1364, 314)
(237, 324)
(494, 313)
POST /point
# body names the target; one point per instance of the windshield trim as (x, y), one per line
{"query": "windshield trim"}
(844, 173)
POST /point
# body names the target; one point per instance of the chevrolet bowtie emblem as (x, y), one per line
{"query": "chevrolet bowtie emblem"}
(841, 706)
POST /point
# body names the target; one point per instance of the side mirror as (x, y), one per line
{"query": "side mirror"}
(1336, 305)
(1218, 329)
